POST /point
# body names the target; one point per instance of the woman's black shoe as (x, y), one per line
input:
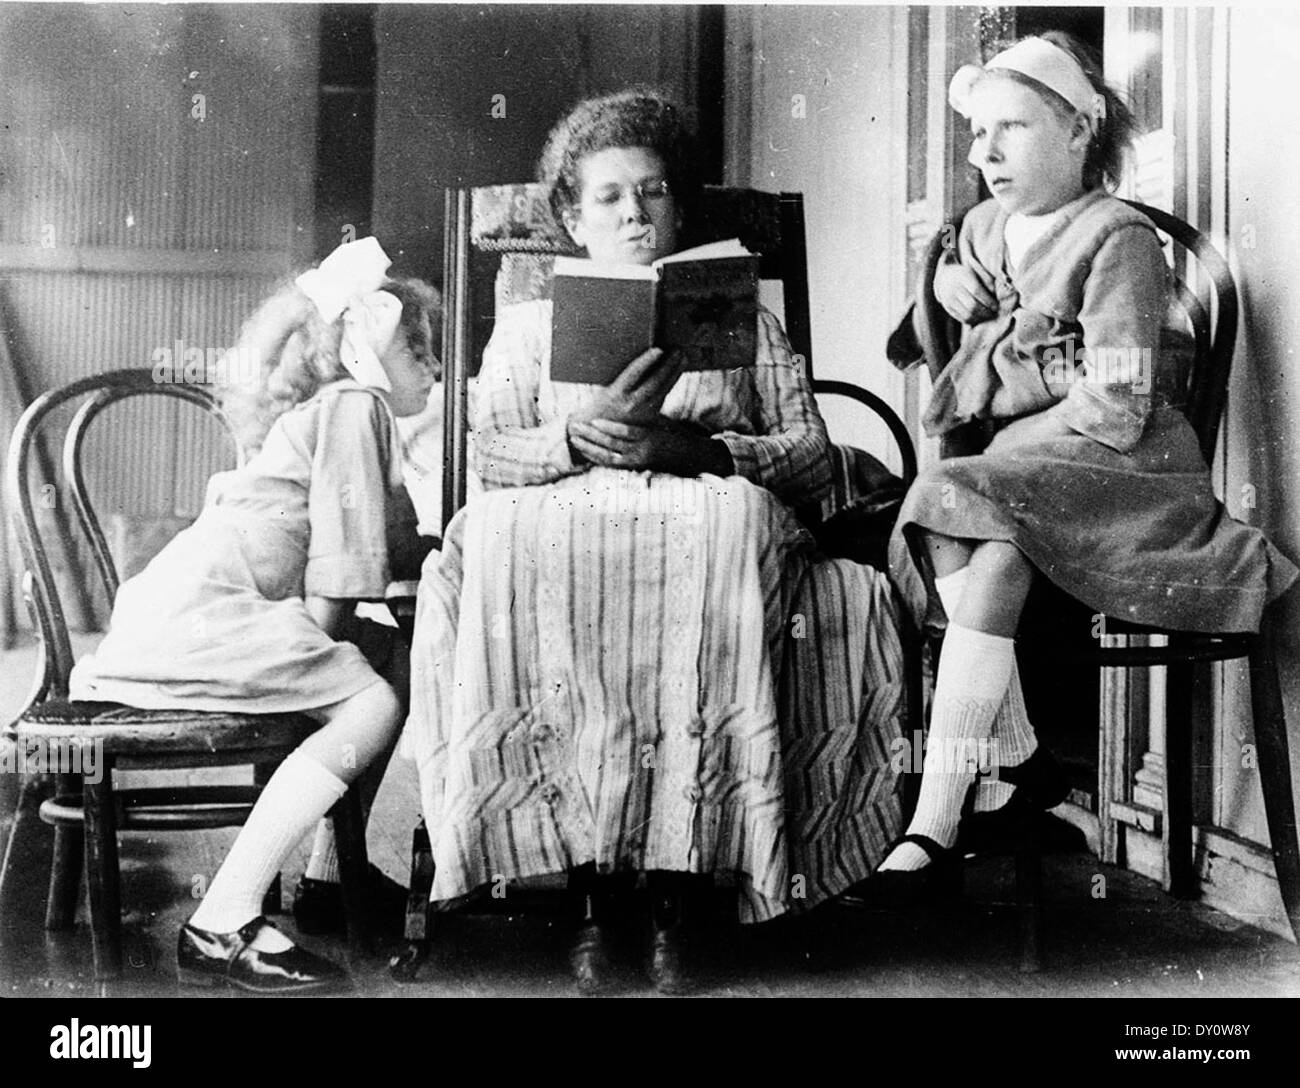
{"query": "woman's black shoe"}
(668, 961)
(598, 898)
(667, 964)
(215, 959)
(589, 959)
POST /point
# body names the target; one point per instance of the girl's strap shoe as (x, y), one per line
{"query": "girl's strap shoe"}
(215, 959)
(896, 889)
(1040, 783)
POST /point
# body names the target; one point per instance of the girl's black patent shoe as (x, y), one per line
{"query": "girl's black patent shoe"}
(1040, 783)
(215, 959)
(1040, 780)
(896, 889)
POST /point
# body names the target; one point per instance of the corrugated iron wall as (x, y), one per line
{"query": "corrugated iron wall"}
(156, 174)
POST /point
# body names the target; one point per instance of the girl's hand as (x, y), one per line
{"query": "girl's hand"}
(963, 294)
(638, 393)
(1030, 430)
(665, 445)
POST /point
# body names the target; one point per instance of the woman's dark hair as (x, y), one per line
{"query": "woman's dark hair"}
(638, 117)
(1103, 165)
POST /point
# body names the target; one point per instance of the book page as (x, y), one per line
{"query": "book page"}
(585, 266)
(712, 251)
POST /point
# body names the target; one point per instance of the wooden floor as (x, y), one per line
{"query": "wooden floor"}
(1132, 942)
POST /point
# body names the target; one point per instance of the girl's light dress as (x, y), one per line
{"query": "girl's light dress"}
(217, 620)
(647, 671)
(1119, 510)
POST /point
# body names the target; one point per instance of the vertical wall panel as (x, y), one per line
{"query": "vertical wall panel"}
(1262, 439)
(823, 118)
(443, 68)
(129, 223)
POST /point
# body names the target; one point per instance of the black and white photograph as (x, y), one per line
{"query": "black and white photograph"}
(607, 501)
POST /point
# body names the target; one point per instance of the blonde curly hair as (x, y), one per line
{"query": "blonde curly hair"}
(291, 353)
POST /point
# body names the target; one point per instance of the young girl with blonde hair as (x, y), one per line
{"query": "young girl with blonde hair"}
(1094, 479)
(243, 611)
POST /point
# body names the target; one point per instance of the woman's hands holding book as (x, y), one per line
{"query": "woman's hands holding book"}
(663, 445)
(638, 393)
(621, 426)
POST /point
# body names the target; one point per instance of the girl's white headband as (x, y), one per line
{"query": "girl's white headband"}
(1040, 60)
(347, 282)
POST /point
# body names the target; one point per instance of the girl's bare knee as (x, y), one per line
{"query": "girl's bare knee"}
(1002, 556)
(1000, 562)
(378, 701)
(947, 553)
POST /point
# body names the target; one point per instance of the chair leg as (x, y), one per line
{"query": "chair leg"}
(1275, 768)
(350, 839)
(65, 865)
(405, 965)
(1180, 870)
(103, 876)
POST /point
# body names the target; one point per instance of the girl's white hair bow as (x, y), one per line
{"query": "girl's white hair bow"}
(347, 283)
(1043, 62)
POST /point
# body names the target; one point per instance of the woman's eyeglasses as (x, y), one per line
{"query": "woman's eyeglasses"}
(645, 191)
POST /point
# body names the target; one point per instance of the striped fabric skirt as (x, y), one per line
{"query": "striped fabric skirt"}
(653, 673)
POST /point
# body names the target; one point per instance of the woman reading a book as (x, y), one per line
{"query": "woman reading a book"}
(629, 658)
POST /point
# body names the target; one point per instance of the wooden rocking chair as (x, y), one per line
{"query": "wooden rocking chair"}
(505, 230)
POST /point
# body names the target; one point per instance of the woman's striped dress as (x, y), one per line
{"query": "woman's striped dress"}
(652, 672)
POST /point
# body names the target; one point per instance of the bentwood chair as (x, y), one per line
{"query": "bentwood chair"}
(499, 248)
(87, 811)
(1212, 316)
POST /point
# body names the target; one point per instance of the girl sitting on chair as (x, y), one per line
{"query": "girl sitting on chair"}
(243, 611)
(1094, 479)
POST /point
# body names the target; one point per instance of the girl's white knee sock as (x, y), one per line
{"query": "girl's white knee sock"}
(1016, 740)
(972, 683)
(299, 793)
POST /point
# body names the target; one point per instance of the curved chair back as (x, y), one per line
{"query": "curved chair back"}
(40, 586)
(1211, 313)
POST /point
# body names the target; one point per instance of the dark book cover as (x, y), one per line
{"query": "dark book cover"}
(599, 326)
(706, 308)
(709, 310)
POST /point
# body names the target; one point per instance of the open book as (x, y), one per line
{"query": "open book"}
(701, 301)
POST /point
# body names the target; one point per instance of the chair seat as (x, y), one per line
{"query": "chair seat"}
(1059, 626)
(1183, 645)
(1115, 626)
(132, 731)
(168, 808)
